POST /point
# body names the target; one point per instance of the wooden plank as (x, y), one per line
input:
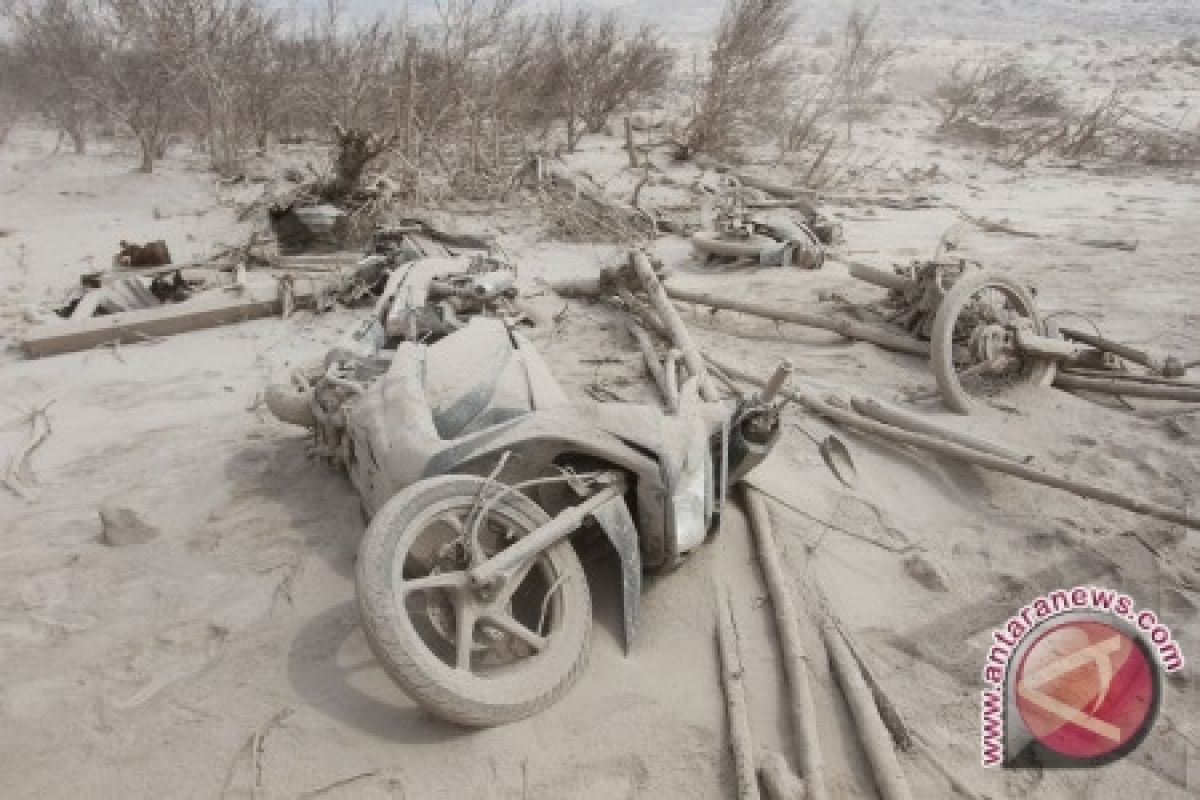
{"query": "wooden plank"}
(166, 269)
(205, 310)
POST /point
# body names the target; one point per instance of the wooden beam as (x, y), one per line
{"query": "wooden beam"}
(205, 310)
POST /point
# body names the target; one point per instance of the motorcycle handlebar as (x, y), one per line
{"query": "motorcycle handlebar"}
(776, 382)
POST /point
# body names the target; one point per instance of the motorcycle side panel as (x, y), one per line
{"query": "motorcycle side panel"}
(618, 525)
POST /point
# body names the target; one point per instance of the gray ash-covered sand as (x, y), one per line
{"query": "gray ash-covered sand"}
(223, 656)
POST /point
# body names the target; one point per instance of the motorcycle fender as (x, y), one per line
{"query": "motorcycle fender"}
(617, 523)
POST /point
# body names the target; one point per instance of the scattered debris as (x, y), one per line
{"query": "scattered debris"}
(19, 476)
(300, 228)
(152, 254)
(836, 456)
(121, 527)
(923, 572)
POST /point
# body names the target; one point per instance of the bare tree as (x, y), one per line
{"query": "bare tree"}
(346, 70)
(591, 67)
(750, 71)
(147, 61)
(54, 47)
(995, 90)
(233, 72)
(640, 66)
(862, 62)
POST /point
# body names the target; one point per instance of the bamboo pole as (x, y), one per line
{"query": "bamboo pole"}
(985, 460)
(875, 276)
(733, 683)
(855, 421)
(777, 779)
(679, 333)
(902, 418)
(1127, 388)
(851, 329)
(795, 659)
(1166, 365)
(654, 366)
(890, 779)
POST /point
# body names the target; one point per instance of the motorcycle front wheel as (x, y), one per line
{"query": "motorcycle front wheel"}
(477, 658)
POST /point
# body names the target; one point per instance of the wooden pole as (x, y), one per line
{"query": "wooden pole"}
(679, 333)
(733, 682)
(630, 148)
(851, 329)
(795, 659)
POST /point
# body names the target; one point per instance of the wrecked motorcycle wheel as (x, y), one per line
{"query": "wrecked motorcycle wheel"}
(471, 658)
(972, 347)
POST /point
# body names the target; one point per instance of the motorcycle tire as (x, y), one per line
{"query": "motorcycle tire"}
(955, 396)
(521, 689)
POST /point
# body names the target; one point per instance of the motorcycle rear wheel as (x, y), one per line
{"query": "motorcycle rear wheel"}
(527, 643)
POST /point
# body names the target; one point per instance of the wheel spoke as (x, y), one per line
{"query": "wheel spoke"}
(454, 521)
(465, 620)
(513, 627)
(504, 596)
(444, 580)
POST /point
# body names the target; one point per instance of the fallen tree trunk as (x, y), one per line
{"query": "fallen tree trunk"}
(795, 660)
(851, 329)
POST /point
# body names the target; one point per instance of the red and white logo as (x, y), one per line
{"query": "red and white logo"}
(1086, 690)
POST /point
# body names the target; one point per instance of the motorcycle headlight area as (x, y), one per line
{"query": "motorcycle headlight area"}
(692, 501)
